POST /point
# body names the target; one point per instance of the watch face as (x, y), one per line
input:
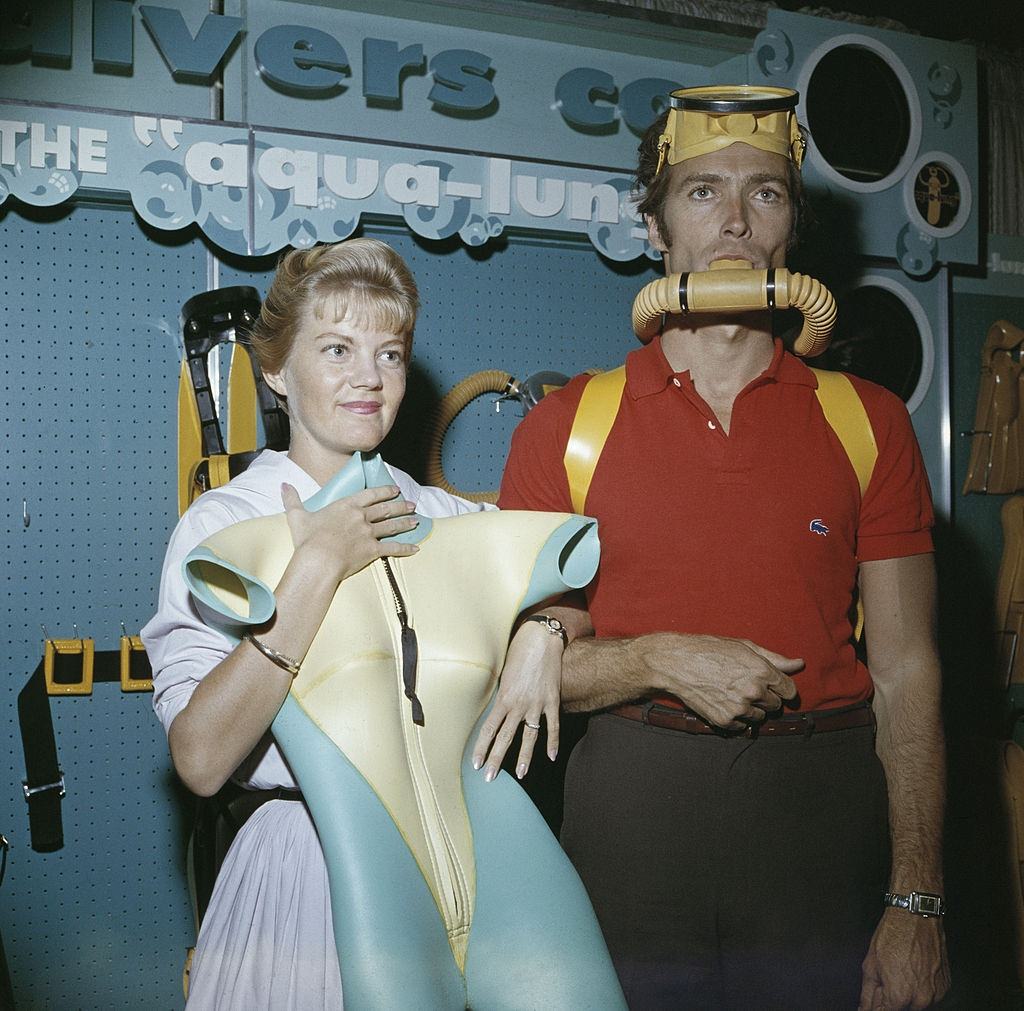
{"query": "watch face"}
(555, 624)
(928, 905)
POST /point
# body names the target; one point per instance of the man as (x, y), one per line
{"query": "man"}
(732, 805)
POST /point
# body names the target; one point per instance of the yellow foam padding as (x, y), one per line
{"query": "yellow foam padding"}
(190, 438)
(595, 415)
(690, 133)
(241, 402)
(350, 681)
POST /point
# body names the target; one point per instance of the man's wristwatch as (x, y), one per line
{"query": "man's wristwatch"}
(553, 625)
(922, 903)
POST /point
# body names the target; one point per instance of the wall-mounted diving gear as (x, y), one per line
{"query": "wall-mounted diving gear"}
(527, 393)
(67, 667)
(732, 286)
(707, 119)
(996, 466)
(208, 319)
(74, 655)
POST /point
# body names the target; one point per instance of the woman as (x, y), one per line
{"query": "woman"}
(333, 341)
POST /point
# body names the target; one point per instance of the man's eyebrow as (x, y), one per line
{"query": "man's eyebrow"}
(755, 179)
(701, 177)
(767, 177)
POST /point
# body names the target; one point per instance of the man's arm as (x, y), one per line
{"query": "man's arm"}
(906, 965)
(730, 682)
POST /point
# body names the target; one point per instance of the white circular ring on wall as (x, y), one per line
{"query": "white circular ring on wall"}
(963, 180)
(897, 66)
(924, 330)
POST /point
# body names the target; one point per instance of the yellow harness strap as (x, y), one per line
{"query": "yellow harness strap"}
(241, 428)
(595, 415)
(845, 414)
(599, 406)
(242, 406)
(190, 438)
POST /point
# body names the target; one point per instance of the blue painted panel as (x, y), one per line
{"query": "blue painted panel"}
(528, 54)
(148, 87)
(928, 302)
(939, 80)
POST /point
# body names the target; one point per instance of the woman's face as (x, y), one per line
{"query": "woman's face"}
(344, 383)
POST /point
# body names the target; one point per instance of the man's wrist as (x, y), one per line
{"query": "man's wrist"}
(551, 625)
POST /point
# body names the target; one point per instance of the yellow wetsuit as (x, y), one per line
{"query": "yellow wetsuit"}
(436, 878)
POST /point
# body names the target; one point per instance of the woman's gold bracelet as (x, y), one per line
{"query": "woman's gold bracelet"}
(282, 661)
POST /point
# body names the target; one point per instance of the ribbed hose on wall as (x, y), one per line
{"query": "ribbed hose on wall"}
(461, 394)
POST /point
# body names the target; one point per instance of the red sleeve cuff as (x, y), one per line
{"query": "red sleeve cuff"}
(874, 549)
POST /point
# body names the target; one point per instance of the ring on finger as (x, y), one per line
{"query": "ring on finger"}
(532, 726)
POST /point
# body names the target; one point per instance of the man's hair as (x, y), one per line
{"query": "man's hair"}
(363, 279)
(652, 187)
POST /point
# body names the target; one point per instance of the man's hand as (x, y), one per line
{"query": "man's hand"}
(732, 683)
(906, 965)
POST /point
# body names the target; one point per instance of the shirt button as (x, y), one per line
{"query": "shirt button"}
(675, 382)
(711, 425)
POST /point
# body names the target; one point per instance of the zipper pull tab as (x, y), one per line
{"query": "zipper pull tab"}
(410, 658)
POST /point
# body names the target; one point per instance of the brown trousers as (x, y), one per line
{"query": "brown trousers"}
(729, 872)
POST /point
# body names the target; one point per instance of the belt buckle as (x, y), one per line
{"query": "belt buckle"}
(31, 791)
(55, 652)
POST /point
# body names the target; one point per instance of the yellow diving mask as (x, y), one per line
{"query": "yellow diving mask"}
(710, 118)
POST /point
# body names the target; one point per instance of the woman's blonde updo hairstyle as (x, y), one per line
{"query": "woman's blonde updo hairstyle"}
(364, 279)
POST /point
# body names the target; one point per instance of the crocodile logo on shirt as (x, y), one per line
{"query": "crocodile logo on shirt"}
(817, 526)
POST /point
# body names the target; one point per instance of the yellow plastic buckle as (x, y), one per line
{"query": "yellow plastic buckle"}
(131, 645)
(85, 648)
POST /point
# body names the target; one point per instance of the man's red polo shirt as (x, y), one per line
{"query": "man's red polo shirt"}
(756, 534)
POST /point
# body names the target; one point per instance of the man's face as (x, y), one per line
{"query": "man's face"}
(729, 204)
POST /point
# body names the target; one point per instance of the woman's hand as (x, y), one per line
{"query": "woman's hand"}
(530, 686)
(347, 533)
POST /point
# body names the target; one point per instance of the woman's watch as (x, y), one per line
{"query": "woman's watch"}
(553, 625)
(922, 903)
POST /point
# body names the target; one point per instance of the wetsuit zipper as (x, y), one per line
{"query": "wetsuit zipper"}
(410, 647)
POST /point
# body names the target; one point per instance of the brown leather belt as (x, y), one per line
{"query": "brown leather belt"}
(789, 725)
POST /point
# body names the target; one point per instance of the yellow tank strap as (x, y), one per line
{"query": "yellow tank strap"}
(241, 402)
(844, 411)
(190, 438)
(595, 415)
(845, 414)
(599, 406)
(220, 469)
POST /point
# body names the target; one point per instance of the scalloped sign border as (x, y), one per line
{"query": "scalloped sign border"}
(254, 192)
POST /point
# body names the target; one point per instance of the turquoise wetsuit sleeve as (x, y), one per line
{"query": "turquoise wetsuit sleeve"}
(536, 942)
(205, 572)
(567, 561)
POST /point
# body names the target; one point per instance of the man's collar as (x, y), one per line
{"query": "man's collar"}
(648, 370)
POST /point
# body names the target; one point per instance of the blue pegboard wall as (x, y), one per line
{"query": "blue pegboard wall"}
(88, 329)
(90, 343)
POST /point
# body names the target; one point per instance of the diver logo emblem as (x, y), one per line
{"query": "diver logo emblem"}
(817, 526)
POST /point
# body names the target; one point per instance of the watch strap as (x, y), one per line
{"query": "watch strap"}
(920, 903)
